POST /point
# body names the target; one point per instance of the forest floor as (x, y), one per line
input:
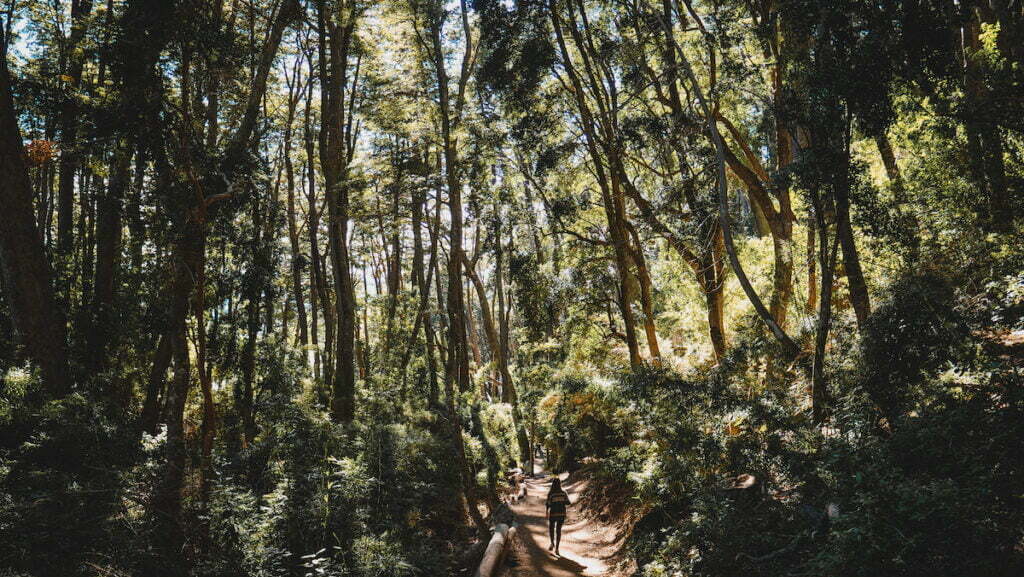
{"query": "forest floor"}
(591, 541)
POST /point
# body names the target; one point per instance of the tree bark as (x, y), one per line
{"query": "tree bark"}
(244, 395)
(827, 260)
(156, 385)
(722, 155)
(812, 265)
(317, 294)
(457, 362)
(293, 229)
(985, 142)
(108, 259)
(187, 250)
(646, 299)
(28, 278)
(906, 215)
(421, 283)
(609, 183)
(68, 122)
(494, 342)
(336, 150)
(859, 297)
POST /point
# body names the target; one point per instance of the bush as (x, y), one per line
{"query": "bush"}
(61, 484)
(581, 418)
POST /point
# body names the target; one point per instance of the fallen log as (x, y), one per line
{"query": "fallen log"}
(496, 550)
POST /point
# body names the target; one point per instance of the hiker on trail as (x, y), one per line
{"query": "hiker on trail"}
(556, 504)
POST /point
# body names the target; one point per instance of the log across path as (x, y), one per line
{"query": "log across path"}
(585, 544)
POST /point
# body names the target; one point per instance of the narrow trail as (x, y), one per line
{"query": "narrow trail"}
(587, 546)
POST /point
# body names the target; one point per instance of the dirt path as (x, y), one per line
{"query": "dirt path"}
(586, 547)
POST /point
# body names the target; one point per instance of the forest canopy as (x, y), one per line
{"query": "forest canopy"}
(308, 287)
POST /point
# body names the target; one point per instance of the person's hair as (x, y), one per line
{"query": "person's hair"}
(556, 485)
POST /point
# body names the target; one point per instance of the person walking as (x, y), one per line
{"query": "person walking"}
(556, 505)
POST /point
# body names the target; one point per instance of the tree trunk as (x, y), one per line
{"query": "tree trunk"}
(646, 299)
(187, 250)
(609, 182)
(471, 331)
(812, 263)
(501, 362)
(296, 253)
(68, 122)
(108, 258)
(851, 261)
(28, 278)
(156, 385)
(422, 287)
(337, 30)
(723, 154)
(827, 260)
(782, 279)
(714, 292)
(985, 142)
(422, 280)
(508, 386)
(457, 365)
(244, 396)
(907, 216)
(313, 225)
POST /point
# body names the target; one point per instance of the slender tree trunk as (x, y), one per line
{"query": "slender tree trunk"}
(713, 275)
(208, 429)
(457, 365)
(609, 182)
(782, 279)
(827, 260)
(244, 393)
(313, 226)
(985, 142)
(133, 214)
(722, 156)
(421, 278)
(68, 122)
(394, 272)
(494, 342)
(714, 299)
(812, 263)
(471, 331)
(156, 385)
(108, 258)
(851, 261)
(906, 214)
(419, 284)
(83, 269)
(296, 257)
(646, 299)
(187, 250)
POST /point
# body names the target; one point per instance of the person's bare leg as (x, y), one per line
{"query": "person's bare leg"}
(558, 535)
(551, 533)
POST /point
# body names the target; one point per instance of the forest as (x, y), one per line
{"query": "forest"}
(302, 288)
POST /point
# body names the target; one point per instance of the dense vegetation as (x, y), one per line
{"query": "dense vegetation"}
(289, 284)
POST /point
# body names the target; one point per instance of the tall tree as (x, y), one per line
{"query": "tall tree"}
(69, 125)
(28, 278)
(429, 20)
(337, 25)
